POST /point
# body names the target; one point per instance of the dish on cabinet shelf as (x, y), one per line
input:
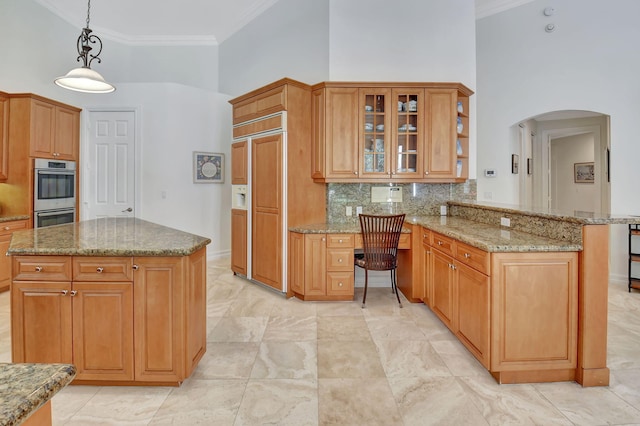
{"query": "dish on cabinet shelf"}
(368, 108)
(368, 126)
(407, 127)
(380, 127)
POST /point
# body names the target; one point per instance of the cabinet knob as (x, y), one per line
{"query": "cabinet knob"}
(467, 255)
(99, 269)
(340, 284)
(426, 173)
(340, 241)
(6, 228)
(355, 172)
(73, 292)
(324, 239)
(340, 260)
(38, 268)
(440, 243)
(135, 267)
(64, 292)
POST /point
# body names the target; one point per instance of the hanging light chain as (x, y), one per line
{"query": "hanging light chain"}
(88, 10)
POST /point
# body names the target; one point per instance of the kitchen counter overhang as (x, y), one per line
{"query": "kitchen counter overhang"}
(113, 236)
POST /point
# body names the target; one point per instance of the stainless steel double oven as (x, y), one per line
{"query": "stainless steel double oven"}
(54, 192)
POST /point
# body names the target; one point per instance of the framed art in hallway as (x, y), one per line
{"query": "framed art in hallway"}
(583, 172)
(208, 167)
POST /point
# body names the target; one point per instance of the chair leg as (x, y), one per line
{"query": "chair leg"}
(366, 284)
(394, 285)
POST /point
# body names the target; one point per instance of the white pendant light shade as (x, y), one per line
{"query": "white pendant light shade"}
(84, 80)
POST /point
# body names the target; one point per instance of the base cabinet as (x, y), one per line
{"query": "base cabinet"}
(6, 230)
(239, 241)
(120, 320)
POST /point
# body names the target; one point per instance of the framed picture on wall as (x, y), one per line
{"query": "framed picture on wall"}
(583, 172)
(208, 167)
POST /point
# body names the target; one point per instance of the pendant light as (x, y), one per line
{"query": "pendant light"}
(84, 79)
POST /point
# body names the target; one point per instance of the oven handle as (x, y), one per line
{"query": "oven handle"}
(55, 172)
(54, 212)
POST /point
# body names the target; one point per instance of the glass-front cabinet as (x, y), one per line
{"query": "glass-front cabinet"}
(375, 143)
(408, 133)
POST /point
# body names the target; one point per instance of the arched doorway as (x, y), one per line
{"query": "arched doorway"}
(558, 148)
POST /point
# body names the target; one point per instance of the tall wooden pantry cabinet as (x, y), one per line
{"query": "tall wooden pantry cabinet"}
(275, 123)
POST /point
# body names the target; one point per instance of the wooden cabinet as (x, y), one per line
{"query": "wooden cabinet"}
(54, 130)
(239, 158)
(260, 103)
(239, 241)
(398, 132)
(443, 288)
(321, 266)
(472, 309)
(120, 320)
(4, 136)
(6, 230)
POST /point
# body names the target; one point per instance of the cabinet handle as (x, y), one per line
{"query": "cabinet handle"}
(135, 267)
(467, 256)
(38, 268)
(99, 269)
(440, 243)
(73, 292)
(64, 292)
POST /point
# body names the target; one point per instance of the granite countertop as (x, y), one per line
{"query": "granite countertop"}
(13, 217)
(26, 387)
(106, 237)
(486, 237)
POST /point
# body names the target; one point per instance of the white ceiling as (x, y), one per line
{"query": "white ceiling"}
(184, 21)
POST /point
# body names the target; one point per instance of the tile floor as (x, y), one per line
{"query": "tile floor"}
(285, 362)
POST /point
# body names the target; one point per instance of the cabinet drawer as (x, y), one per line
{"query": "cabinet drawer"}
(442, 243)
(340, 259)
(339, 283)
(474, 257)
(14, 225)
(426, 236)
(102, 268)
(340, 240)
(42, 268)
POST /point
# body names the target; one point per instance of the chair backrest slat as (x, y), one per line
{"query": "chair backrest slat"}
(380, 237)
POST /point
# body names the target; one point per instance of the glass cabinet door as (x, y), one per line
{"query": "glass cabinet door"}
(408, 128)
(375, 143)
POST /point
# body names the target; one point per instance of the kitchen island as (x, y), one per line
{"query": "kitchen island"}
(122, 299)
(529, 300)
(27, 389)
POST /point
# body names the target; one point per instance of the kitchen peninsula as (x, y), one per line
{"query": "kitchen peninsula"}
(529, 301)
(122, 299)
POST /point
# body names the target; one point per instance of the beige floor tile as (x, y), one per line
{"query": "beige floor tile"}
(625, 383)
(238, 329)
(345, 328)
(394, 328)
(227, 361)
(435, 401)
(338, 359)
(69, 401)
(458, 359)
(286, 360)
(279, 402)
(202, 402)
(291, 328)
(410, 359)
(357, 402)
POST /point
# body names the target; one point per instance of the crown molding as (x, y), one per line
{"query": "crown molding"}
(491, 7)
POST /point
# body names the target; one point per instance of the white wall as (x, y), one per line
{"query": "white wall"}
(566, 194)
(585, 64)
(290, 39)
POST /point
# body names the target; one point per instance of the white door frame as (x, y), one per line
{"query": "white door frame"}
(85, 138)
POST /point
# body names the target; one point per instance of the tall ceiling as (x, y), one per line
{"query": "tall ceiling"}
(185, 21)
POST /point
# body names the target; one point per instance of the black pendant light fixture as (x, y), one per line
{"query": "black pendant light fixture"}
(84, 79)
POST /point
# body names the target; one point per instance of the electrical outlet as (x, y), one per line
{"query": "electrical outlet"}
(443, 210)
(359, 210)
(349, 211)
(505, 221)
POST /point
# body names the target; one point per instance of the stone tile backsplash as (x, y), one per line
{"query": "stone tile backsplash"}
(418, 199)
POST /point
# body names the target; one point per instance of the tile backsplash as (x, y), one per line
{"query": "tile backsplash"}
(418, 199)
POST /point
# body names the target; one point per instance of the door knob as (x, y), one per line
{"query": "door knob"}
(127, 210)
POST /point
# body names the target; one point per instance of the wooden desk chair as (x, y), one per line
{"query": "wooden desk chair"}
(380, 237)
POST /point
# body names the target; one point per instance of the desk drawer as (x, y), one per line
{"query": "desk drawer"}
(339, 283)
(442, 243)
(403, 243)
(92, 268)
(474, 257)
(340, 240)
(42, 268)
(14, 225)
(340, 259)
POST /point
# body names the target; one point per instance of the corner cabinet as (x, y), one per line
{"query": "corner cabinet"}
(120, 320)
(391, 132)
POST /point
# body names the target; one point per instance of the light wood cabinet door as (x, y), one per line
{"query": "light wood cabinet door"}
(43, 129)
(239, 163)
(103, 330)
(443, 289)
(440, 155)
(269, 102)
(41, 322)
(296, 263)
(543, 286)
(340, 133)
(195, 310)
(427, 276)
(239, 241)
(266, 210)
(6, 230)
(67, 135)
(375, 145)
(407, 130)
(158, 325)
(4, 136)
(315, 264)
(473, 311)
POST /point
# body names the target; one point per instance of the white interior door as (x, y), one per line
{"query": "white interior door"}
(110, 165)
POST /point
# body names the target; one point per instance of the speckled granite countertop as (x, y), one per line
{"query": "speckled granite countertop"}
(486, 237)
(106, 237)
(14, 217)
(26, 387)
